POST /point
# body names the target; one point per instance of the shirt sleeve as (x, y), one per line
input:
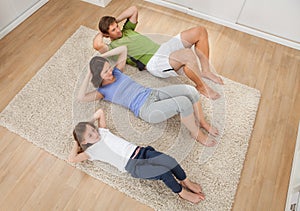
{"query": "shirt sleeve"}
(129, 25)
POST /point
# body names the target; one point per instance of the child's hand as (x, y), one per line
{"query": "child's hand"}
(98, 114)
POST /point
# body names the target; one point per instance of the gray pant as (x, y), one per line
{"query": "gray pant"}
(165, 102)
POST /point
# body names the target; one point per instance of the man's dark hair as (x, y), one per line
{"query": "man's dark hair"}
(105, 22)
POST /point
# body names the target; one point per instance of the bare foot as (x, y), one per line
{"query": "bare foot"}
(192, 197)
(211, 76)
(192, 186)
(206, 140)
(210, 129)
(208, 92)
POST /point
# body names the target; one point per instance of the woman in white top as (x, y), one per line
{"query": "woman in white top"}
(93, 143)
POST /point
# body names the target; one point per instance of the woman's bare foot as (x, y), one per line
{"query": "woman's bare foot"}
(205, 140)
(210, 129)
(192, 186)
(208, 92)
(189, 196)
(211, 76)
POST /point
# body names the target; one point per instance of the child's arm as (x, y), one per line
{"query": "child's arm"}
(85, 96)
(100, 116)
(76, 157)
(121, 52)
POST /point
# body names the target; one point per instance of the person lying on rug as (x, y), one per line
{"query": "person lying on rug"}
(160, 60)
(151, 105)
(93, 143)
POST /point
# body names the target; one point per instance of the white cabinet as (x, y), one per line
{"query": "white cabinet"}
(277, 17)
(228, 10)
(13, 12)
(275, 20)
(293, 197)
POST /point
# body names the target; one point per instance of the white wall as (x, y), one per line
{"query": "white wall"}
(13, 12)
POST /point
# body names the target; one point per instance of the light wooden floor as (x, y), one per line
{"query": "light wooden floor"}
(31, 179)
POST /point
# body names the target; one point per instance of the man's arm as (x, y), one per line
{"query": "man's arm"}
(131, 13)
(98, 43)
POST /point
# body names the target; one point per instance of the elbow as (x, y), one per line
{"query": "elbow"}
(134, 9)
(71, 160)
(80, 99)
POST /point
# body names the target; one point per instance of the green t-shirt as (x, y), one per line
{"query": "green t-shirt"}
(139, 46)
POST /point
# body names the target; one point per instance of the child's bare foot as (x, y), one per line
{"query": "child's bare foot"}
(192, 186)
(192, 197)
(206, 140)
(210, 129)
(211, 76)
(208, 92)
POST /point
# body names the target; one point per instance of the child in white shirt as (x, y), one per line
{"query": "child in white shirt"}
(93, 143)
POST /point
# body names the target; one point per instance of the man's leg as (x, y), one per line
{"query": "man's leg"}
(187, 59)
(198, 36)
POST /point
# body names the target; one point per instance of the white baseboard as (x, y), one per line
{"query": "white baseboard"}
(101, 3)
(236, 26)
(21, 18)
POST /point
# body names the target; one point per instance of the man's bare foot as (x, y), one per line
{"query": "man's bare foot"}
(208, 92)
(189, 196)
(210, 129)
(211, 76)
(205, 140)
(192, 186)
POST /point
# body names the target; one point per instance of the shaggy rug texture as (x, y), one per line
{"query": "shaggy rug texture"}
(45, 111)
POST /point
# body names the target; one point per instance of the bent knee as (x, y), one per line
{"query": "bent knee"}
(202, 31)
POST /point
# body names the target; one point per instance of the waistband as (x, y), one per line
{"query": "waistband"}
(135, 152)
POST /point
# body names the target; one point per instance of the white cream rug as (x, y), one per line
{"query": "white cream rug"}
(45, 111)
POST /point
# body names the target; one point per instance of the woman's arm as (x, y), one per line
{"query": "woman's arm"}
(121, 51)
(131, 13)
(100, 116)
(85, 96)
(76, 157)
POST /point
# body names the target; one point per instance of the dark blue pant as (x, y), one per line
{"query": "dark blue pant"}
(151, 164)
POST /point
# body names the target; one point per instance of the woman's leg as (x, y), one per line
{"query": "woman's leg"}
(191, 93)
(176, 99)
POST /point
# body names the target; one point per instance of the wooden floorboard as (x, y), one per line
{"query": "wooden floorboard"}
(32, 179)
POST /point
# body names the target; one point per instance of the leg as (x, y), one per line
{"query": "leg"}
(187, 59)
(161, 164)
(191, 93)
(200, 117)
(198, 36)
(175, 99)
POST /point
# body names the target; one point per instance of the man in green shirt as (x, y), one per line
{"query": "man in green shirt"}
(160, 60)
